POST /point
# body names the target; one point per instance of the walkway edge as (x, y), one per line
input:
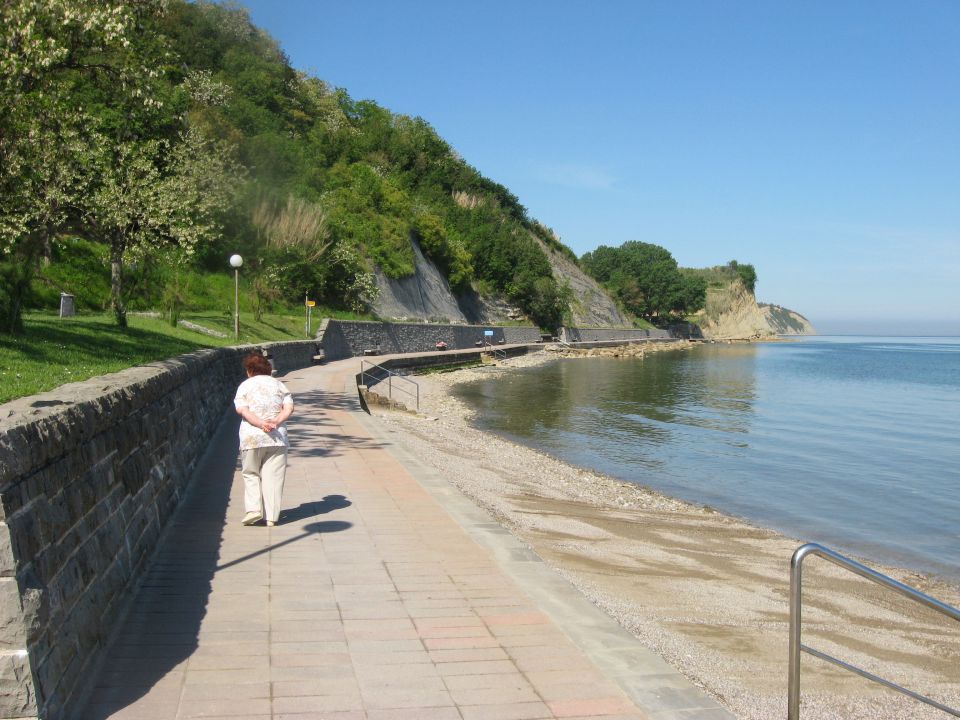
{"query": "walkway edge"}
(654, 686)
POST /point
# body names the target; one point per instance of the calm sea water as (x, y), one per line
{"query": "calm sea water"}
(852, 442)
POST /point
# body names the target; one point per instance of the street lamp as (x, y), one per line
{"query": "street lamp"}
(235, 262)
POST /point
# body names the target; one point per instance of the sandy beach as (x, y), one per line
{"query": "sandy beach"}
(705, 591)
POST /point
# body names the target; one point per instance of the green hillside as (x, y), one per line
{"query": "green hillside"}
(157, 139)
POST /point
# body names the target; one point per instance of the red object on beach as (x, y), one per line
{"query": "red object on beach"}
(441, 345)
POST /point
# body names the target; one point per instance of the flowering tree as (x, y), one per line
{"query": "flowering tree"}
(46, 146)
(87, 142)
(154, 192)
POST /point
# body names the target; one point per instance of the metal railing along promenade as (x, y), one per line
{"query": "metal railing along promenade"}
(495, 352)
(793, 690)
(372, 374)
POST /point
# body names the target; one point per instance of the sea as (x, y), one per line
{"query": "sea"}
(851, 442)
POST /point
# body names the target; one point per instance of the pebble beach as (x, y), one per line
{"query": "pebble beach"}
(706, 591)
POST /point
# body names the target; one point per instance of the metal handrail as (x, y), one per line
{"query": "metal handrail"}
(495, 351)
(793, 690)
(388, 375)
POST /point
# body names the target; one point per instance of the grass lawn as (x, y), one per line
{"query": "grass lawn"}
(53, 350)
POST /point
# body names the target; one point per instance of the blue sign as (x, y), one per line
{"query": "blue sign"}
(488, 333)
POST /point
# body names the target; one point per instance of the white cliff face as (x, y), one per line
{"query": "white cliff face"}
(732, 313)
(426, 296)
(786, 322)
(590, 305)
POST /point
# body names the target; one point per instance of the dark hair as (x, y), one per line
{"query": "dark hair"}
(257, 364)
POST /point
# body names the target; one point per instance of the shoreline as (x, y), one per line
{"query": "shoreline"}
(706, 591)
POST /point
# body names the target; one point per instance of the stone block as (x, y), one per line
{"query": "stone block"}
(13, 632)
(17, 694)
(8, 564)
(24, 535)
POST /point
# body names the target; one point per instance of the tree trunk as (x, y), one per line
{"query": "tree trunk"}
(116, 281)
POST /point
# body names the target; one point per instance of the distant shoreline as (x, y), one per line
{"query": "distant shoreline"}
(705, 590)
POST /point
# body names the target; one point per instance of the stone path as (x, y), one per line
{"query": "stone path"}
(382, 594)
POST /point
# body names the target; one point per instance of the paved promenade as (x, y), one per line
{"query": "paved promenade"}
(382, 594)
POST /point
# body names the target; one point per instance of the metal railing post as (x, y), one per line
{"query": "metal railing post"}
(369, 378)
(796, 602)
(796, 646)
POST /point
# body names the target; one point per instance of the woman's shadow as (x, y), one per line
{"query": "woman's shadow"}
(314, 508)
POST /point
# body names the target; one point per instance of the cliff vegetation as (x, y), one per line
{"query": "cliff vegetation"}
(172, 135)
(144, 142)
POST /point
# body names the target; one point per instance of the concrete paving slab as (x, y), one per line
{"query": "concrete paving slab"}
(382, 594)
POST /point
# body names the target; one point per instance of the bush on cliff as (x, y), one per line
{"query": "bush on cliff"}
(85, 156)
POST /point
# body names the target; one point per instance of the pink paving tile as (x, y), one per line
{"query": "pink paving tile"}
(476, 668)
(529, 618)
(132, 712)
(229, 662)
(235, 691)
(556, 662)
(225, 707)
(313, 672)
(381, 699)
(584, 690)
(468, 654)
(507, 711)
(317, 703)
(438, 713)
(592, 707)
(494, 696)
(626, 716)
(391, 658)
(452, 643)
(453, 632)
(464, 620)
(310, 647)
(489, 681)
(399, 673)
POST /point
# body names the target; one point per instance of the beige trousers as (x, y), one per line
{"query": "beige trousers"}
(264, 470)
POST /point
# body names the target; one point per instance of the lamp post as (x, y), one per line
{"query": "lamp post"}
(235, 262)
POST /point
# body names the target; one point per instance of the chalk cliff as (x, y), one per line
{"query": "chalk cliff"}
(426, 295)
(732, 312)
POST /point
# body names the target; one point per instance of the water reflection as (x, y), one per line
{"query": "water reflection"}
(846, 443)
(621, 407)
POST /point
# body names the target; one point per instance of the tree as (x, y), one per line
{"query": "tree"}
(47, 47)
(644, 277)
(746, 273)
(693, 294)
(151, 192)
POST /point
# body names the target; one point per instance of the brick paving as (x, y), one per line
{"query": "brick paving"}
(368, 600)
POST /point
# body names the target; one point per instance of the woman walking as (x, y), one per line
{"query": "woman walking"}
(264, 403)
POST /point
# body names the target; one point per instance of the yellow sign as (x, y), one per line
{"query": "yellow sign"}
(311, 303)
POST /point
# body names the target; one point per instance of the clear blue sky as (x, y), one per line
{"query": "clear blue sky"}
(818, 140)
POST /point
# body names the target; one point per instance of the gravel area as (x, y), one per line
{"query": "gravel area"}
(706, 591)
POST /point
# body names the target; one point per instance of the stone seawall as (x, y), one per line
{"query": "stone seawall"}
(90, 473)
(346, 338)
(588, 334)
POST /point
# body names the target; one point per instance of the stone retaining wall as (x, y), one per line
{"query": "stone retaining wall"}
(349, 338)
(587, 334)
(90, 473)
